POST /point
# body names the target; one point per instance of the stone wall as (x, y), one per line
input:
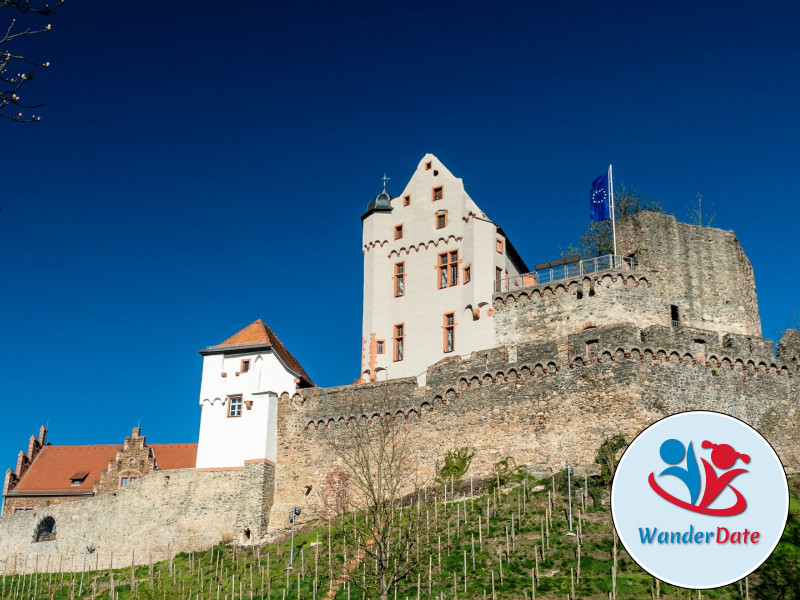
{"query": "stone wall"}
(163, 513)
(701, 270)
(546, 312)
(546, 404)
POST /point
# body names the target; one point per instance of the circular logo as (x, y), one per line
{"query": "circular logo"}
(699, 499)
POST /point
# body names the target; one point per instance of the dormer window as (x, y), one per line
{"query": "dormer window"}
(245, 365)
(77, 479)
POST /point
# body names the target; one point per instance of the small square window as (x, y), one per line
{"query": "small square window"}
(428, 165)
(406, 200)
(380, 347)
(235, 406)
(441, 220)
(438, 192)
(124, 481)
(398, 232)
(245, 365)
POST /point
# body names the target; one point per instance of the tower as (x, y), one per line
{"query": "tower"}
(242, 379)
(432, 260)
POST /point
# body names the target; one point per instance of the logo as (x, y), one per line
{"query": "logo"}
(723, 457)
(699, 499)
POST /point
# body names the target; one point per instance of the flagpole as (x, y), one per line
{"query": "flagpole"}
(613, 221)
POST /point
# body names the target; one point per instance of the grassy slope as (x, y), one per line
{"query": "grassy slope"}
(226, 573)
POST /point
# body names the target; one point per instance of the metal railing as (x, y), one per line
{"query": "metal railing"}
(565, 271)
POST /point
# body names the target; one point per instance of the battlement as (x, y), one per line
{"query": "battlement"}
(652, 347)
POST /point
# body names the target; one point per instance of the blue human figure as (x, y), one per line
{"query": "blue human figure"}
(672, 452)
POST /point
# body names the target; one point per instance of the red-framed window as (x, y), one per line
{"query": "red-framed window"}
(399, 339)
(448, 269)
(399, 279)
(234, 406)
(449, 327)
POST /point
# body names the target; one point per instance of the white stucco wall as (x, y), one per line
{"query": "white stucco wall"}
(423, 306)
(228, 442)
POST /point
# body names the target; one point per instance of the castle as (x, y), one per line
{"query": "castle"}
(539, 365)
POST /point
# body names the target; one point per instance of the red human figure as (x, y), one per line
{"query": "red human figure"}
(724, 457)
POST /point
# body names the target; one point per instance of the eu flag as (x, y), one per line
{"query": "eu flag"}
(599, 203)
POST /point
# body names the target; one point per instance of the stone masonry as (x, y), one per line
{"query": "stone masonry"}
(577, 361)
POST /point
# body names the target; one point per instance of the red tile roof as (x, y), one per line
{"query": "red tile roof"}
(254, 334)
(54, 465)
(175, 456)
(257, 334)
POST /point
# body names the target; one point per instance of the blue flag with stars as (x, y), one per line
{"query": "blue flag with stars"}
(600, 199)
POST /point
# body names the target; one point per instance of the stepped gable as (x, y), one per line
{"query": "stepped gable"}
(259, 335)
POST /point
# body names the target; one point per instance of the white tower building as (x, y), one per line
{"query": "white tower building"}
(242, 379)
(431, 262)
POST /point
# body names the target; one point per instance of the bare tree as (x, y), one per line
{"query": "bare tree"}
(17, 70)
(697, 217)
(374, 455)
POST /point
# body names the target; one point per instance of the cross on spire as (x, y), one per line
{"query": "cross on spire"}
(384, 179)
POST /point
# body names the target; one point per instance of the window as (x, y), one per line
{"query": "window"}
(127, 480)
(449, 332)
(235, 406)
(380, 347)
(499, 246)
(132, 462)
(399, 279)
(498, 277)
(592, 347)
(448, 269)
(675, 316)
(437, 193)
(406, 200)
(428, 165)
(398, 232)
(76, 479)
(245, 365)
(399, 337)
(467, 274)
(441, 220)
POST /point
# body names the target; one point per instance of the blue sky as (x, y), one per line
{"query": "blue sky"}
(203, 164)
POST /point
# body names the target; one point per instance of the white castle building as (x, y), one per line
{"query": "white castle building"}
(432, 260)
(242, 379)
